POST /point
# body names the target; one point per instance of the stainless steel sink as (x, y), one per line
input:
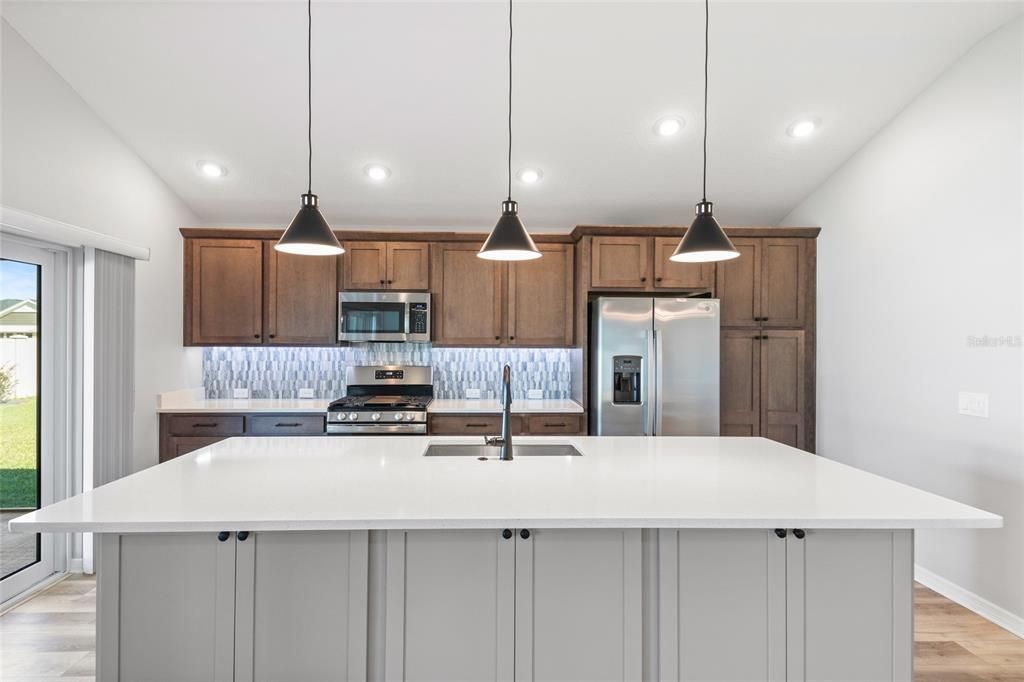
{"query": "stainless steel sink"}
(491, 452)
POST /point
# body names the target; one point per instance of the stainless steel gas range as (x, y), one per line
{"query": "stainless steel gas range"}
(384, 400)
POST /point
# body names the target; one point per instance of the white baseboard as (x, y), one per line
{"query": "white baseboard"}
(979, 605)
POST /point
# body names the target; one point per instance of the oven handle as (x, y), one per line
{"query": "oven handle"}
(380, 429)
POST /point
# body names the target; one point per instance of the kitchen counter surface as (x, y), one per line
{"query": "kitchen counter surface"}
(382, 482)
(191, 404)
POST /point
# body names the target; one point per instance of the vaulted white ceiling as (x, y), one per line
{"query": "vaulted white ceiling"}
(420, 88)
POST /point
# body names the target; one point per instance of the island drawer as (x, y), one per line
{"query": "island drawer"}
(286, 425)
(206, 425)
(540, 424)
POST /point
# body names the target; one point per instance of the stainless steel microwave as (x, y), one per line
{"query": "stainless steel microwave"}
(384, 316)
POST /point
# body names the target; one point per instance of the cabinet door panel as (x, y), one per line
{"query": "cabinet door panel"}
(408, 266)
(783, 281)
(468, 297)
(175, 609)
(740, 384)
(867, 577)
(364, 265)
(723, 606)
(540, 311)
(620, 262)
(301, 606)
(782, 387)
(226, 292)
(578, 606)
(739, 284)
(449, 613)
(301, 300)
(671, 275)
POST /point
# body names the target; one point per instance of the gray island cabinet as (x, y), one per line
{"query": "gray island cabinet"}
(696, 559)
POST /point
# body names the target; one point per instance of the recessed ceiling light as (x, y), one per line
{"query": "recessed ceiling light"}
(668, 126)
(377, 173)
(530, 176)
(803, 128)
(212, 169)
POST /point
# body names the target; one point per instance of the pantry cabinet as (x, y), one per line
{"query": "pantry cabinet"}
(186, 607)
(768, 285)
(760, 605)
(402, 266)
(520, 604)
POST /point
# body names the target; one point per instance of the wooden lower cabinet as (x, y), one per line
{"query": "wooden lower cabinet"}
(749, 605)
(539, 605)
(180, 434)
(191, 607)
(490, 424)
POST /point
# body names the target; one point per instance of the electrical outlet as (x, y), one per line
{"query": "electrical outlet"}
(535, 394)
(973, 404)
(240, 393)
(472, 394)
(305, 393)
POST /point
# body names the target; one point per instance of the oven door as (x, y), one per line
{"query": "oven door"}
(380, 316)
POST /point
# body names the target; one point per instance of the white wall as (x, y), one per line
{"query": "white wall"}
(61, 161)
(920, 248)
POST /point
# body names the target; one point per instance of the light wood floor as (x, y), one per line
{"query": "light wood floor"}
(51, 638)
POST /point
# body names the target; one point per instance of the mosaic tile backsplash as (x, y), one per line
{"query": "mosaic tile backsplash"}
(281, 372)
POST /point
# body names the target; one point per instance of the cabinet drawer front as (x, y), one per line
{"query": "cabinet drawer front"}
(286, 425)
(451, 425)
(553, 423)
(207, 425)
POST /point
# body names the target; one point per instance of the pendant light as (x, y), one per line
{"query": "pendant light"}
(309, 234)
(509, 240)
(705, 241)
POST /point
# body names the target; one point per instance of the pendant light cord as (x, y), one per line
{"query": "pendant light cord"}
(309, 91)
(510, 100)
(704, 176)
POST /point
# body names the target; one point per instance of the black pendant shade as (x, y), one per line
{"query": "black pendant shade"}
(509, 240)
(705, 241)
(309, 234)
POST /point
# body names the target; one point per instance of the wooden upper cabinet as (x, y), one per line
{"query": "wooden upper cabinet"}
(620, 262)
(224, 296)
(739, 284)
(671, 275)
(300, 299)
(740, 390)
(540, 297)
(468, 295)
(403, 266)
(784, 282)
(783, 391)
(365, 265)
(408, 266)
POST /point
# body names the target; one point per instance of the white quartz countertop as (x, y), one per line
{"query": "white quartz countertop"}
(494, 407)
(193, 405)
(379, 482)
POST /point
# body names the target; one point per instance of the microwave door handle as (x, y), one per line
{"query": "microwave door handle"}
(407, 329)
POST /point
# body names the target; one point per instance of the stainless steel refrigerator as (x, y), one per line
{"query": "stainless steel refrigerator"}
(654, 368)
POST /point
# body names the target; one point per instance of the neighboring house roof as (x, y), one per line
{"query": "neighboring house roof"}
(19, 317)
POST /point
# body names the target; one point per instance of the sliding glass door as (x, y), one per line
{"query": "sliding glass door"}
(28, 429)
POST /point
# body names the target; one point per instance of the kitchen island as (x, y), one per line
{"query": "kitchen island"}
(645, 558)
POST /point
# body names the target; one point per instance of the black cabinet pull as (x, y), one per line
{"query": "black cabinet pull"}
(477, 426)
(497, 338)
(273, 336)
(799, 533)
(643, 279)
(780, 532)
(554, 425)
(382, 281)
(506, 533)
(656, 279)
(511, 338)
(243, 535)
(204, 425)
(223, 536)
(389, 281)
(524, 534)
(287, 424)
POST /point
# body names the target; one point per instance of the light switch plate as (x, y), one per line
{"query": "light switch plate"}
(305, 393)
(472, 394)
(535, 394)
(240, 393)
(973, 404)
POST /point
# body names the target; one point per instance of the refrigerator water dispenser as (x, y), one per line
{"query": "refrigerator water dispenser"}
(626, 379)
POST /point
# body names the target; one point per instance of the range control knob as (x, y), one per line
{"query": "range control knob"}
(411, 417)
(375, 416)
(398, 416)
(352, 416)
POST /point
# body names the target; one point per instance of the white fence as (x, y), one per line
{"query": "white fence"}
(20, 356)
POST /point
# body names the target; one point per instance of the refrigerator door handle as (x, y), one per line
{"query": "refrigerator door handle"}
(651, 391)
(657, 426)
